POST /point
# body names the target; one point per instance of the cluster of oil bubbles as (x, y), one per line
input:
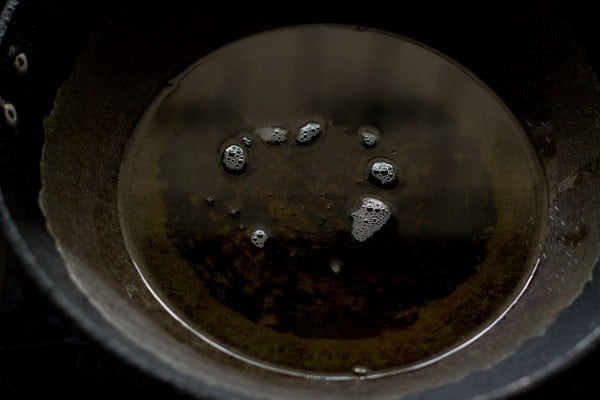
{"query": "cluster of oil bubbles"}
(370, 217)
(234, 159)
(369, 137)
(272, 134)
(259, 237)
(308, 133)
(247, 140)
(383, 174)
(372, 214)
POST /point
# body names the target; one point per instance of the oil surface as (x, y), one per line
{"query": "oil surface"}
(262, 258)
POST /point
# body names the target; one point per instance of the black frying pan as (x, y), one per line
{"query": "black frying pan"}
(526, 53)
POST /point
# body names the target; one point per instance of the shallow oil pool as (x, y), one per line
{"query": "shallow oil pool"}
(331, 288)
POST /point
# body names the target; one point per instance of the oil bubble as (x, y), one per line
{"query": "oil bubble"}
(308, 133)
(383, 174)
(258, 238)
(369, 218)
(247, 140)
(234, 159)
(336, 266)
(272, 134)
(369, 137)
(360, 370)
